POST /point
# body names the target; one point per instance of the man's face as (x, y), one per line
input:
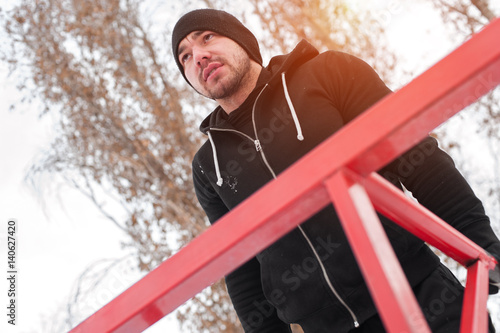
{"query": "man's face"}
(216, 66)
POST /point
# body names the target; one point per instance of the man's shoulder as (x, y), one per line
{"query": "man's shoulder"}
(203, 153)
(332, 57)
(332, 65)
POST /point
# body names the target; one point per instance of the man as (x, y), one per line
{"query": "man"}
(269, 117)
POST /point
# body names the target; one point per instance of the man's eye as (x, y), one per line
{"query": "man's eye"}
(185, 57)
(208, 37)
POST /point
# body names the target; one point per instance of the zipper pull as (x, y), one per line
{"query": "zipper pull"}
(257, 145)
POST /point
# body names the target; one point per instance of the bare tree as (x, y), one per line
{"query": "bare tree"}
(464, 18)
(123, 130)
(127, 127)
(473, 136)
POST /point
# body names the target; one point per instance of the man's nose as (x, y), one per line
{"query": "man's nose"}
(201, 56)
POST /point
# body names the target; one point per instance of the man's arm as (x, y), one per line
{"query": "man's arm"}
(430, 174)
(425, 170)
(243, 284)
(256, 314)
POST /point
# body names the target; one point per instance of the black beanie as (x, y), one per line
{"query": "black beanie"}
(219, 22)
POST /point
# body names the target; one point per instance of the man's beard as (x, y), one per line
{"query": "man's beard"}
(229, 84)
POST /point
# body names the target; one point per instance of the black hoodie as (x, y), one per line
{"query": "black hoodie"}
(310, 276)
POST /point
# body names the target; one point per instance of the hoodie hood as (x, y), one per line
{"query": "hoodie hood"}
(302, 53)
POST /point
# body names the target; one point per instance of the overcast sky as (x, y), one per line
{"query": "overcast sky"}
(60, 233)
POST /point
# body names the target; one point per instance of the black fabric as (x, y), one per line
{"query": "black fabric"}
(440, 297)
(258, 315)
(217, 21)
(241, 118)
(328, 91)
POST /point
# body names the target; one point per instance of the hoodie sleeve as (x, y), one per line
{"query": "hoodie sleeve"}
(431, 176)
(425, 170)
(351, 84)
(256, 314)
(209, 200)
(244, 284)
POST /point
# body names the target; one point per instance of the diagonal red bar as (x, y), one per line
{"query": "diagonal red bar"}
(392, 126)
(231, 241)
(474, 314)
(430, 228)
(428, 101)
(423, 223)
(383, 274)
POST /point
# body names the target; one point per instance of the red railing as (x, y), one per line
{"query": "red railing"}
(378, 136)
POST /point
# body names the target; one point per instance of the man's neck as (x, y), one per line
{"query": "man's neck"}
(234, 101)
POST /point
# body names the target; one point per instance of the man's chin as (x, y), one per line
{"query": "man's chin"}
(219, 93)
(207, 94)
(218, 90)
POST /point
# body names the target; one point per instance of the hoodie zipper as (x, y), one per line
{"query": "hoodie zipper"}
(256, 143)
(258, 148)
(308, 240)
(327, 278)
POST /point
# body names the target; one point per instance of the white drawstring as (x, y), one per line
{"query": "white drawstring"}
(300, 137)
(292, 109)
(216, 161)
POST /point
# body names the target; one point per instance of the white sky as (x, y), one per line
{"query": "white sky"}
(57, 243)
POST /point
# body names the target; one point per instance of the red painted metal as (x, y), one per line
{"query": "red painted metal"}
(423, 223)
(474, 315)
(370, 141)
(382, 272)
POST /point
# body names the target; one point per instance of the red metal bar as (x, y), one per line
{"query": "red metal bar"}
(428, 101)
(474, 313)
(423, 223)
(381, 269)
(392, 126)
(204, 260)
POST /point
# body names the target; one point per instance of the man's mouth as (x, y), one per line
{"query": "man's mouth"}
(210, 69)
